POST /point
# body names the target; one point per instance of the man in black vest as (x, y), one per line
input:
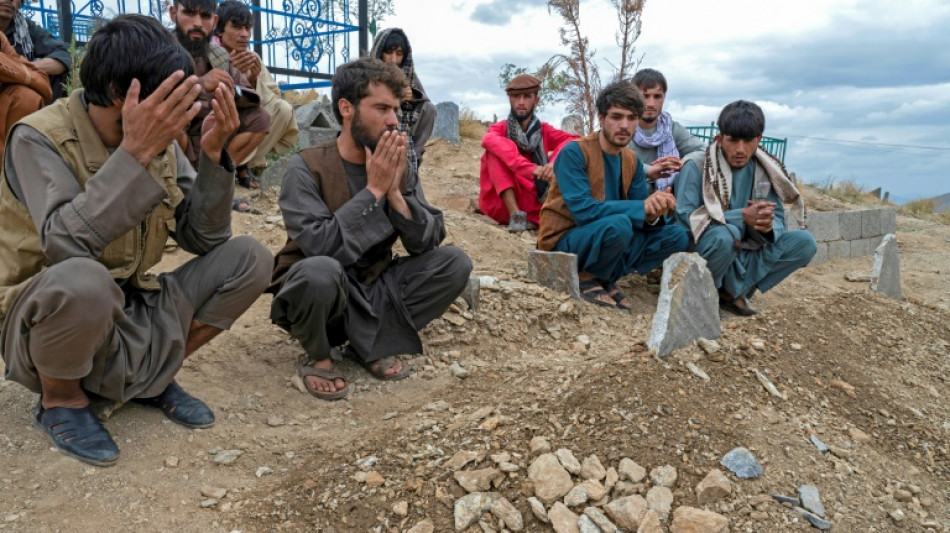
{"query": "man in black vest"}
(345, 203)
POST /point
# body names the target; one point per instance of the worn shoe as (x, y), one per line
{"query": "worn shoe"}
(181, 407)
(518, 222)
(77, 433)
(731, 306)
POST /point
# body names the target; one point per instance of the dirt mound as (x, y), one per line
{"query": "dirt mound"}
(865, 375)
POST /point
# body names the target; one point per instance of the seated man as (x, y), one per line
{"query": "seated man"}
(92, 187)
(733, 209)
(660, 140)
(344, 204)
(418, 113)
(516, 169)
(599, 207)
(24, 88)
(234, 31)
(194, 20)
(37, 45)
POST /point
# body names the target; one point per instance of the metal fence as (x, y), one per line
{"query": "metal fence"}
(300, 41)
(772, 145)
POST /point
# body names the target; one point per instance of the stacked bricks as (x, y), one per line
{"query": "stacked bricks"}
(847, 233)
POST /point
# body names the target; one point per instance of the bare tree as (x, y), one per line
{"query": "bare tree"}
(583, 77)
(628, 20)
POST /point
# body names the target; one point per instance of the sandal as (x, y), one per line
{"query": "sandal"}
(246, 178)
(382, 365)
(240, 205)
(180, 407)
(77, 433)
(593, 291)
(331, 375)
(614, 292)
(727, 304)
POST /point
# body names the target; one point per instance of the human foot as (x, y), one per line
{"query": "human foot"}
(389, 368)
(593, 292)
(621, 299)
(322, 379)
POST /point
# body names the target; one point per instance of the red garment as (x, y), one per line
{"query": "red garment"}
(504, 167)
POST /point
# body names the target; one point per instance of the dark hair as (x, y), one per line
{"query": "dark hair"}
(395, 39)
(649, 78)
(351, 81)
(130, 47)
(741, 120)
(620, 94)
(204, 6)
(236, 13)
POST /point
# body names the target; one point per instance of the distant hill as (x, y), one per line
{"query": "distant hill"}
(943, 203)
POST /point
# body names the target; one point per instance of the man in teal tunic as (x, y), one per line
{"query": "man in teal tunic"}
(600, 209)
(733, 210)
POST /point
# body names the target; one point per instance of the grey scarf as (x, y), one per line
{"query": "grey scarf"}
(21, 36)
(530, 142)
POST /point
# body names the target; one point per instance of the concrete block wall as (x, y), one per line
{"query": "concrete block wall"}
(848, 233)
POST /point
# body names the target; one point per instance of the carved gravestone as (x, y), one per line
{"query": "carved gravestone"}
(688, 307)
(316, 123)
(886, 275)
(554, 270)
(447, 122)
(573, 124)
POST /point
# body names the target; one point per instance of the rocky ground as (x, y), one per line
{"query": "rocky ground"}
(536, 408)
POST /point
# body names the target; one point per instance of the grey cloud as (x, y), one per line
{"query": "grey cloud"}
(499, 12)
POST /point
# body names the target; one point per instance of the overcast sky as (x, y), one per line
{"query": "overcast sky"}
(861, 88)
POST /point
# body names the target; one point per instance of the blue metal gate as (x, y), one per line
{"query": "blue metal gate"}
(300, 41)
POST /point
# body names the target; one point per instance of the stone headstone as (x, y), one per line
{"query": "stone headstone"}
(274, 175)
(688, 307)
(471, 292)
(554, 270)
(573, 124)
(447, 122)
(886, 274)
(876, 193)
(316, 123)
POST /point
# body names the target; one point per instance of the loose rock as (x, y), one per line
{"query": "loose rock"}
(508, 514)
(562, 519)
(714, 487)
(742, 463)
(477, 480)
(469, 508)
(227, 457)
(663, 476)
(626, 512)
(660, 499)
(650, 523)
(692, 520)
(537, 509)
(811, 499)
(600, 519)
(568, 461)
(551, 481)
(592, 469)
(631, 471)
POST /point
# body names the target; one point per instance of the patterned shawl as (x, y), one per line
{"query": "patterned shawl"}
(410, 111)
(717, 188)
(530, 142)
(662, 140)
(21, 36)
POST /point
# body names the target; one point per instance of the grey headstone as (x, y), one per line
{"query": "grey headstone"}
(554, 270)
(821, 255)
(447, 122)
(839, 249)
(888, 221)
(876, 193)
(316, 123)
(471, 291)
(688, 307)
(573, 124)
(864, 247)
(886, 274)
(887, 197)
(274, 175)
(811, 500)
(823, 225)
(871, 223)
(849, 224)
(742, 463)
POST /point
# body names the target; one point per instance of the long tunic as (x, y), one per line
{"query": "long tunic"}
(504, 167)
(737, 273)
(612, 238)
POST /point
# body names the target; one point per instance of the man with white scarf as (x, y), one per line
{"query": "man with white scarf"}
(659, 139)
(733, 208)
(37, 45)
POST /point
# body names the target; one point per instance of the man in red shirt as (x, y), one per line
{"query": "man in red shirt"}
(517, 165)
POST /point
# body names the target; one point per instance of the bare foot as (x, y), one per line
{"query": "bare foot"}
(395, 367)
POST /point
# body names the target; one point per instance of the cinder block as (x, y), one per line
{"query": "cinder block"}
(823, 225)
(849, 225)
(554, 270)
(839, 249)
(870, 223)
(864, 247)
(821, 255)
(888, 220)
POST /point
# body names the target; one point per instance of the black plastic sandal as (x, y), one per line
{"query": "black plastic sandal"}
(181, 407)
(77, 433)
(591, 289)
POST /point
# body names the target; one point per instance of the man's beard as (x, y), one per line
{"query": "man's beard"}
(362, 137)
(650, 120)
(522, 118)
(195, 48)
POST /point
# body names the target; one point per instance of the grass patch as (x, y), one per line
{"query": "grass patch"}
(847, 191)
(918, 208)
(470, 127)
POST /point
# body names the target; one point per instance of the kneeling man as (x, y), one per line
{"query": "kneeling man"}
(345, 203)
(92, 187)
(599, 206)
(733, 209)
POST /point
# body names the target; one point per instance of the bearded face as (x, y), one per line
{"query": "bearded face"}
(196, 41)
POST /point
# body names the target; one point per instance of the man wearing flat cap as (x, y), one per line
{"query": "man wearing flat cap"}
(517, 166)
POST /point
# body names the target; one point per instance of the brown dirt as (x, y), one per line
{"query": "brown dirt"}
(305, 462)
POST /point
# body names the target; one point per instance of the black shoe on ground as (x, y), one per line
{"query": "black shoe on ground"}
(77, 433)
(181, 407)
